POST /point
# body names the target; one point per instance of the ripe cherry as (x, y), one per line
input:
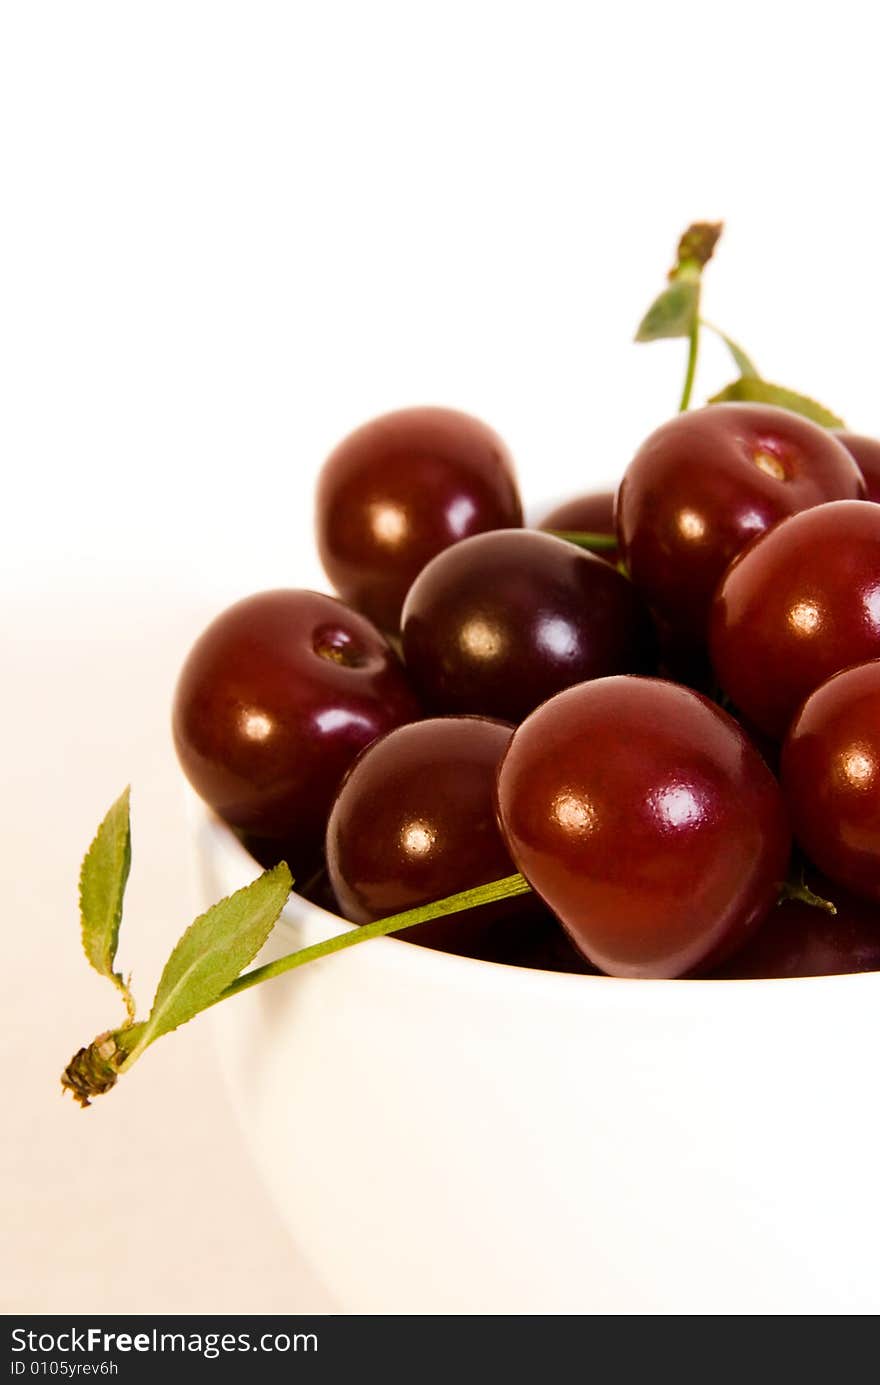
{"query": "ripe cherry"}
(274, 702)
(591, 514)
(500, 622)
(401, 489)
(705, 484)
(799, 605)
(831, 778)
(866, 452)
(415, 821)
(537, 941)
(646, 820)
(798, 939)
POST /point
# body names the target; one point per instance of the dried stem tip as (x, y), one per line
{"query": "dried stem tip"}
(697, 244)
(91, 1071)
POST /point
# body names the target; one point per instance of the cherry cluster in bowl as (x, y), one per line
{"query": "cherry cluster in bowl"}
(666, 736)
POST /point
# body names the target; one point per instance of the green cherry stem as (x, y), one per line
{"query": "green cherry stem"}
(695, 250)
(595, 543)
(507, 888)
(95, 1070)
(796, 887)
(799, 890)
(693, 352)
(676, 311)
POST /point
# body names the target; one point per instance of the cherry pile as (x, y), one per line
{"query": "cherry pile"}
(670, 737)
(659, 709)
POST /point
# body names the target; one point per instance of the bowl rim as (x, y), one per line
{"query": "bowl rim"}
(238, 866)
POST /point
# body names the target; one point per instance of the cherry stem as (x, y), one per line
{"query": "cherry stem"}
(799, 890)
(596, 543)
(507, 888)
(693, 351)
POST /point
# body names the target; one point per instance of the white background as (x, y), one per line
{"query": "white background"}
(231, 232)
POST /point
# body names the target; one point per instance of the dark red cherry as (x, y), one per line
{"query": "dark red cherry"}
(682, 659)
(401, 489)
(867, 455)
(831, 778)
(311, 877)
(275, 700)
(799, 940)
(648, 823)
(414, 821)
(591, 514)
(799, 605)
(705, 484)
(501, 622)
(534, 939)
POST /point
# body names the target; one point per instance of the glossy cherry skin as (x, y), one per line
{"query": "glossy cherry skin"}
(866, 452)
(414, 821)
(705, 484)
(831, 778)
(401, 489)
(591, 514)
(799, 940)
(501, 622)
(798, 606)
(647, 822)
(274, 701)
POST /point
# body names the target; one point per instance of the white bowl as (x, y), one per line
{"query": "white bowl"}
(448, 1136)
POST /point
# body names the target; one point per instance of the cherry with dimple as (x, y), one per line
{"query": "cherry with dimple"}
(274, 701)
(705, 484)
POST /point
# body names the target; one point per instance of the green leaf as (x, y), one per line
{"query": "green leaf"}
(744, 364)
(203, 968)
(214, 950)
(673, 313)
(102, 881)
(754, 391)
